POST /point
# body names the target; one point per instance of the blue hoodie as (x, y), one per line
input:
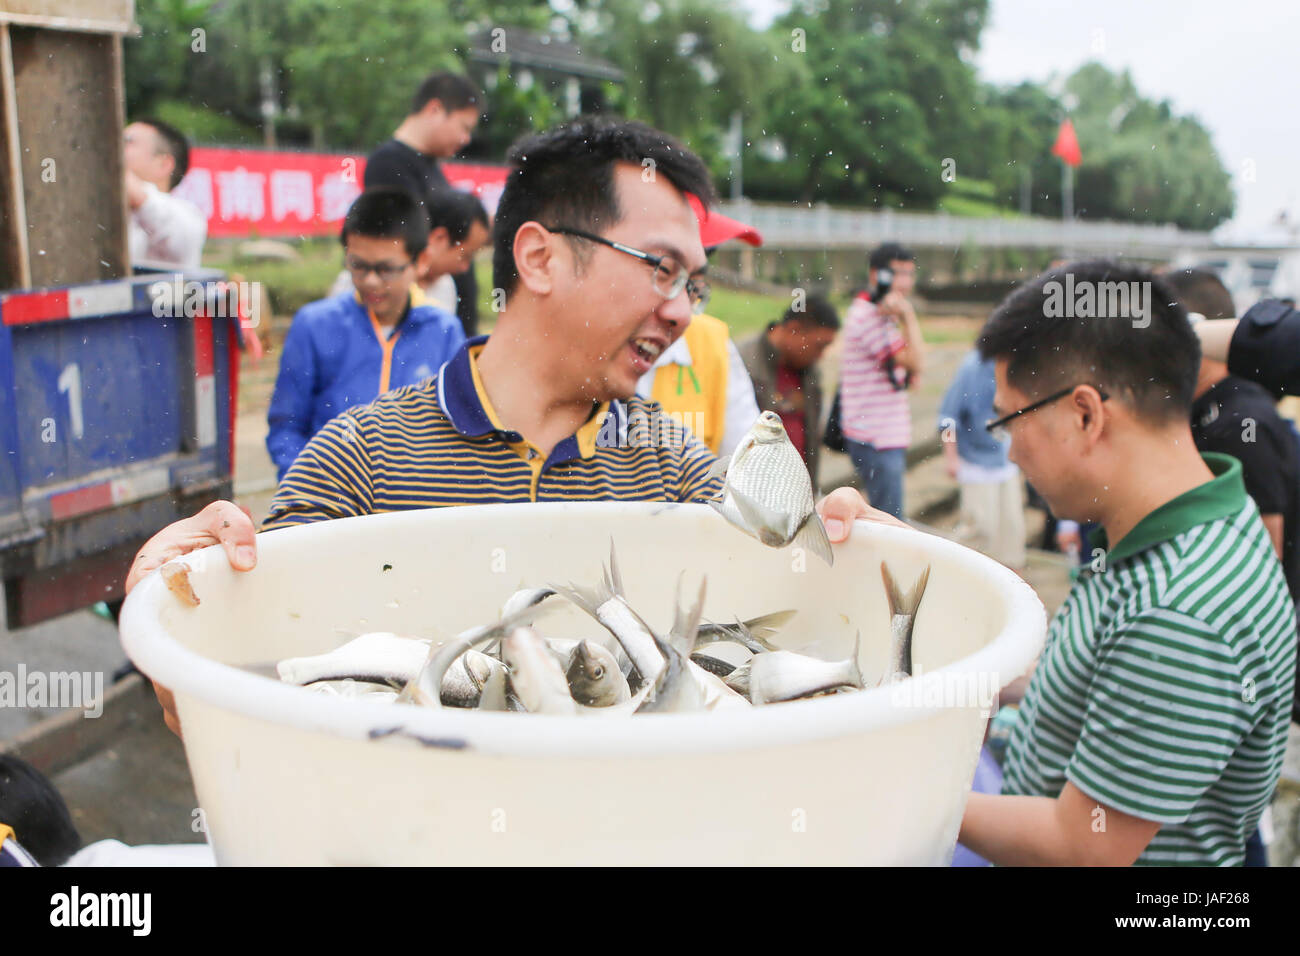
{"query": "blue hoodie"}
(335, 358)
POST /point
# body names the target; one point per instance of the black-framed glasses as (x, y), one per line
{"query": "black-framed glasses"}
(1034, 406)
(386, 271)
(670, 277)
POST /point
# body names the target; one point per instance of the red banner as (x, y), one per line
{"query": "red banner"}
(270, 193)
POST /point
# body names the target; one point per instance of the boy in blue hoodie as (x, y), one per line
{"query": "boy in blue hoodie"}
(351, 348)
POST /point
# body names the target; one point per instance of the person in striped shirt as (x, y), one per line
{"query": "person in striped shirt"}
(1155, 723)
(598, 259)
(882, 357)
(1154, 726)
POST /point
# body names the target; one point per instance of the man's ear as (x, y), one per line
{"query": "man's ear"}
(440, 238)
(536, 258)
(1089, 411)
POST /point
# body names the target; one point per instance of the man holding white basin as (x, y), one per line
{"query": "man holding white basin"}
(598, 268)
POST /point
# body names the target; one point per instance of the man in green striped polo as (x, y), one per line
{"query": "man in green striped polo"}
(1154, 726)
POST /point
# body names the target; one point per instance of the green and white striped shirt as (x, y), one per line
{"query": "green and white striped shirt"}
(1165, 687)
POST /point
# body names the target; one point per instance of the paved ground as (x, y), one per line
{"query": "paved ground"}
(139, 789)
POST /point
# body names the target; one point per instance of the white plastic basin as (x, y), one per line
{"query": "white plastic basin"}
(287, 776)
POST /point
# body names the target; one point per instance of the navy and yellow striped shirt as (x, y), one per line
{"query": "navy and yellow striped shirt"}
(439, 443)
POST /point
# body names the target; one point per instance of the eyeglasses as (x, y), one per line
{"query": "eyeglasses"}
(670, 276)
(991, 426)
(386, 271)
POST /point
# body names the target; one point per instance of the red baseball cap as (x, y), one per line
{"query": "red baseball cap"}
(715, 228)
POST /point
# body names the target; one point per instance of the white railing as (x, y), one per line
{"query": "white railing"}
(822, 226)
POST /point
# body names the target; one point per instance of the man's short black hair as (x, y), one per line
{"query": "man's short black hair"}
(817, 310)
(1084, 323)
(173, 142)
(31, 805)
(1200, 290)
(456, 211)
(452, 90)
(565, 177)
(388, 212)
(887, 253)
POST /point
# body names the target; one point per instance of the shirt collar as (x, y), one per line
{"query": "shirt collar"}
(1223, 495)
(679, 353)
(467, 406)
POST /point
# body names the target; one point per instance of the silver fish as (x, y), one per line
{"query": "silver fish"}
(535, 675)
(714, 665)
(607, 605)
(902, 616)
(354, 690)
(767, 492)
(465, 680)
(528, 597)
(717, 695)
(751, 634)
(738, 679)
(379, 657)
(594, 676)
(784, 675)
(425, 686)
(676, 688)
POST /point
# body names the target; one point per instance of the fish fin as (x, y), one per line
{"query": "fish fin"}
(718, 469)
(759, 519)
(857, 669)
(588, 599)
(765, 625)
(811, 536)
(900, 603)
(686, 621)
(613, 578)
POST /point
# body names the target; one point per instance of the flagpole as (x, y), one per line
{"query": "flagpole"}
(1067, 191)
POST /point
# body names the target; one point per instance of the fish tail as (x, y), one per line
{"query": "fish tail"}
(613, 579)
(765, 625)
(900, 603)
(686, 620)
(856, 669)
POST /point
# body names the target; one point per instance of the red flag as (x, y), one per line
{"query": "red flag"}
(1067, 145)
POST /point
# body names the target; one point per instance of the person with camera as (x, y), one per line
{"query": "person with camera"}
(883, 357)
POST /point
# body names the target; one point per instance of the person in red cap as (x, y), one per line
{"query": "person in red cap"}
(700, 379)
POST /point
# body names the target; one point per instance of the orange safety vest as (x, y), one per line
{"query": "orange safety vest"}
(697, 393)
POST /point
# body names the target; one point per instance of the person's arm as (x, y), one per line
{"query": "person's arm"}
(1071, 830)
(742, 405)
(176, 229)
(331, 478)
(912, 355)
(1133, 769)
(289, 416)
(223, 523)
(1263, 346)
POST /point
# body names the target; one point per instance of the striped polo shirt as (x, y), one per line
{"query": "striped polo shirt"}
(872, 411)
(1164, 690)
(440, 443)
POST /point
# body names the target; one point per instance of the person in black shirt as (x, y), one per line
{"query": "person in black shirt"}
(444, 113)
(1237, 417)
